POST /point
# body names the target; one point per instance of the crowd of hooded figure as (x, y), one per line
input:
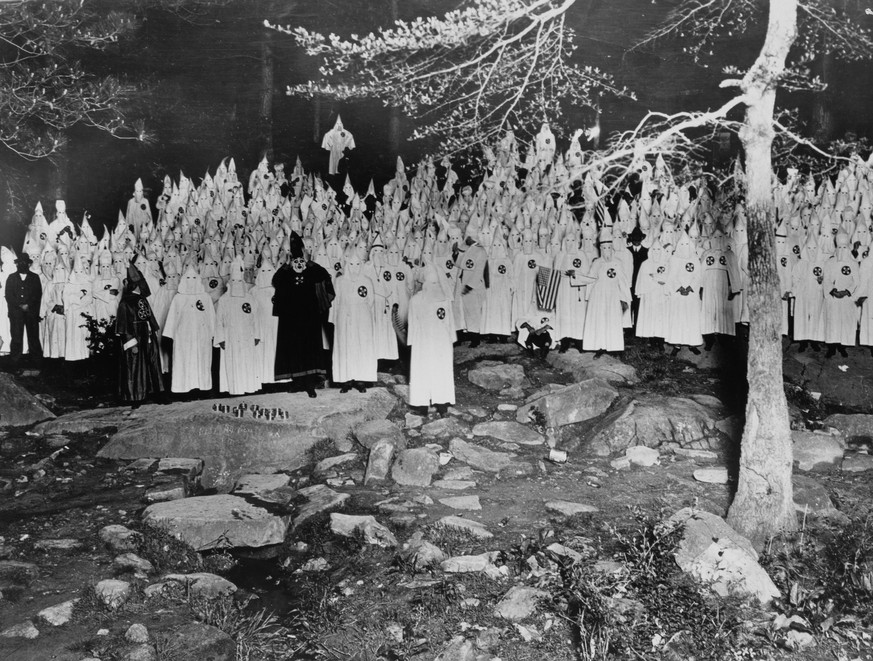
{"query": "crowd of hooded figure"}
(289, 279)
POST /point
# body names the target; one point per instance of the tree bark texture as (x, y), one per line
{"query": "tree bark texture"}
(265, 111)
(764, 502)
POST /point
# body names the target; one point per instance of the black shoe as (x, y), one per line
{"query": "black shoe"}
(442, 409)
(360, 387)
(803, 346)
(346, 387)
(474, 342)
(815, 346)
(710, 342)
(311, 393)
(599, 353)
(843, 353)
(564, 347)
(831, 351)
(694, 350)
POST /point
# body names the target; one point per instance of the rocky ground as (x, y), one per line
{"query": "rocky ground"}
(563, 508)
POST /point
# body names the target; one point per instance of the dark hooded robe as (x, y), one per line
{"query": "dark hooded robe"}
(300, 302)
(139, 372)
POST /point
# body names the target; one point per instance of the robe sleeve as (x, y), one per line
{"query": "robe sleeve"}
(220, 334)
(172, 320)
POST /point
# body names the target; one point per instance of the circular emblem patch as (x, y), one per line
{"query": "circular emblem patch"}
(531, 263)
(577, 263)
(544, 321)
(689, 267)
(362, 291)
(469, 264)
(548, 141)
(710, 260)
(846, 270)
(501, 269)
(449, 264)
(795, 249)
(199, 305)
(247, 308)
(142, 310)
(610, 273)
(142, 206)
(213, 283)
(661, 269)
(441, 313)
(401, 276)
(337, 266)
(783, 261)
(817, 271)
(107, 287)
(722, 260)
(386, 276)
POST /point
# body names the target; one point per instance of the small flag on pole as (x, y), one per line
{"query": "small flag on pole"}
(548, 281)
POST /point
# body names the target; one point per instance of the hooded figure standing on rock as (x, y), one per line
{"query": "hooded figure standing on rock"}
(238, 334)
(190, 324)
(139, 373)
(431, 336)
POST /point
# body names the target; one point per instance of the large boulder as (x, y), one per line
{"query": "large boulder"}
(575, 403)
(232, 446)
(653, 420)
(375, 430)
(18, 406)
(856, 428)
(585, 366)
(718, 556)
(415, 467)
(207, 522)
(80, 422)
(816, 451)
(509, 432)
(492, 375)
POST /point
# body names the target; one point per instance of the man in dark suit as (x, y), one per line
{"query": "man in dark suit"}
(639, 253)
(23, 297)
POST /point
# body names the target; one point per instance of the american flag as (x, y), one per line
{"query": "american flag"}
(548, 281)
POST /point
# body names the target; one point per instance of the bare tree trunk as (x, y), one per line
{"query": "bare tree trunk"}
(265, 111)
(822, 113)
(764, 502)
(394, 118)
(316, 120)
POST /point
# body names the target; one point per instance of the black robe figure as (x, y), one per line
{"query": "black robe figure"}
(139, 363)
(303, 295)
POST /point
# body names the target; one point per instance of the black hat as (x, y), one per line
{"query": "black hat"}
(636, 234)
(24, 259)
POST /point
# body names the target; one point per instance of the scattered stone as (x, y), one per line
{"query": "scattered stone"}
(652, 420)
(379, 461)
(203, 584)
(717, 475)
(16, 572)
(142, 465)
(497, 376)
(18, 406)
(365, 528)
(413, 421)
(315, 565)
(386, 378)
(856, 428)
(584, 366)
(519, 603)
(25, 629)
(371, 431)
(564, 552)
(568, 508)
(454, 485)
(469, 503)
(640, 455)
(509, 431)
(140, 652)
(516, 392)
(459, 473)
(415, 467)
(120, 539)
(59, 614)
(255, 484)
(507, 407)
(202, 641)
(320, 499)
(459, 649)
(137, 633)
(479, 457)
(517, 469)
(620, 463)
(459, 523)
(477, 411)
(857, 463)
(420, 553)
(811, 496)
(132, 562)
(443, 428)
(188, 467)
(112, 593)
(423, 499)
(206, 522)
(816, 451)
(698, 455)
(575, 403)
(470, 564)
(164, 493)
